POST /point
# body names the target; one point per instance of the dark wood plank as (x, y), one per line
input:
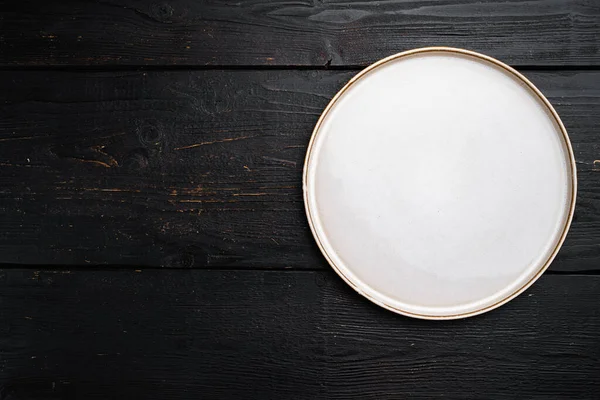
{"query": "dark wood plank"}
(294, 335)
(263, 32)
(200, 169)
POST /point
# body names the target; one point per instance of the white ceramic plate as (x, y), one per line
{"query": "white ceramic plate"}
(439, 183)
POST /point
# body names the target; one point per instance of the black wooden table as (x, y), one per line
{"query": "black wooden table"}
(153, 237)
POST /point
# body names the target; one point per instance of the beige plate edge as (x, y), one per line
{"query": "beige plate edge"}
(521, 78)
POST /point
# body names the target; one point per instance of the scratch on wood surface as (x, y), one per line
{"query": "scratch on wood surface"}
(113, 135)
(220, 201)
(111, 160)
(191, 146)
(190, 210)
(282, 161)
(111, 190)
(4, 164)
(278, 187)
(196, 190)
(18, 138)
(103, 164)
(102, 58)
(246, 168)
(249, 194)
(190, 201)
(47, 35)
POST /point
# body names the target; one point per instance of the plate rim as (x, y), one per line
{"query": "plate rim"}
(520, 77)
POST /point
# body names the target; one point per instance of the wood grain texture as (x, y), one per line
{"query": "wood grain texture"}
(201, 169)
(294, 335)
(315, 32)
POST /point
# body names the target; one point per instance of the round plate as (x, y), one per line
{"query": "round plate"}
(439, 183)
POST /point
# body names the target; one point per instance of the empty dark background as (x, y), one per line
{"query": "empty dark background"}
(153, 242)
